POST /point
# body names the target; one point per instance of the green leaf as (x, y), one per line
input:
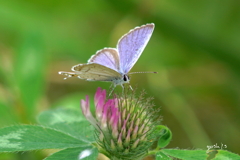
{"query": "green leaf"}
(197, 154)
(166, 136)
(80, 153)
(70, 121)
(226, 155)
(161, 156)
(29, 137)
(186, 154)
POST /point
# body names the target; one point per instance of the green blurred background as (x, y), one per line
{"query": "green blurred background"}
(195, 48)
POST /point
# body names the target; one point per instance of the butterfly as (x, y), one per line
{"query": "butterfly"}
(114, 64)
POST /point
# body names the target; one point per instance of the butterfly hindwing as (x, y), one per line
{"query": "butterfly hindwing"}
(131, 45)
(92, 72)
(107, 57)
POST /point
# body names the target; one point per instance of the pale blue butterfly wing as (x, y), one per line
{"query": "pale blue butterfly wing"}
(131, 46)
(128, 51)
(107, 57)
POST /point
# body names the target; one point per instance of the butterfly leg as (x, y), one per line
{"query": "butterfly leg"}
(130, 87)
(122, 89)
(112, 87)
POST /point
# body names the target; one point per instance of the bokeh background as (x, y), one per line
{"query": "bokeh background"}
(195, 48)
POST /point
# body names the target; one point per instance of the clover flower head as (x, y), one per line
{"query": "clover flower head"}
(124, 125)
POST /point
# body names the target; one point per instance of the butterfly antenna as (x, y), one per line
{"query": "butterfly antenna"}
(141, 72)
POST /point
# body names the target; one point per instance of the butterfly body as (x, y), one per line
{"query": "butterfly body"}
(114, 64)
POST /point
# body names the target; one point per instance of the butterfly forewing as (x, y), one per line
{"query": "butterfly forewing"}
(107, 57)
(131, 45)
(93, 72)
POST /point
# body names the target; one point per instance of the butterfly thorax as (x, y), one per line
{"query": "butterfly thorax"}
(124, 79)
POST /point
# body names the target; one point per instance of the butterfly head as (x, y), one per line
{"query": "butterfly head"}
(126, 78)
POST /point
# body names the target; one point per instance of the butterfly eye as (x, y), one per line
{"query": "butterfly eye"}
(125, 78)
